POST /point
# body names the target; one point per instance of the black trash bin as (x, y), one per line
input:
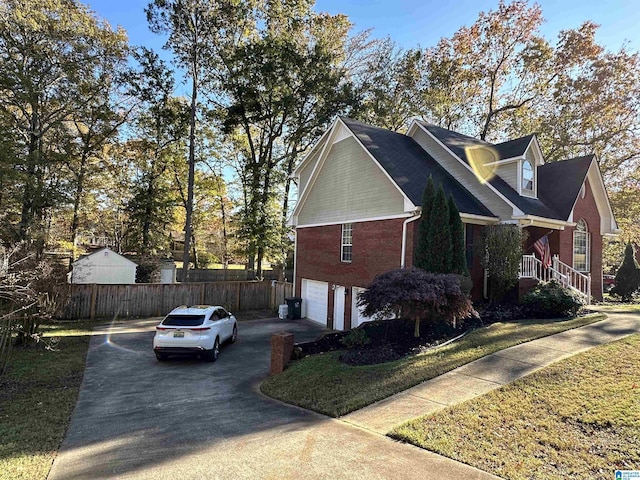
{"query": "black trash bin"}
(294, 308)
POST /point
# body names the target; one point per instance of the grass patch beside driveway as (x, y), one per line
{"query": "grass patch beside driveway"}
(324, 384)
(37, 395)
(578, 418)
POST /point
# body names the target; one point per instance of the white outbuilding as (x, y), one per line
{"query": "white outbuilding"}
(103, 266)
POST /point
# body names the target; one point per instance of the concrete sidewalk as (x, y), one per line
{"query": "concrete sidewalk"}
(490, 372)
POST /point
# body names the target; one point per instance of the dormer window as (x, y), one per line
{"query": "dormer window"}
(527, 176)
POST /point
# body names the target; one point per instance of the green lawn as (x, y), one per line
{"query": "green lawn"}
(323, 384)
(613, 307)
(578, 418)
(37, 396)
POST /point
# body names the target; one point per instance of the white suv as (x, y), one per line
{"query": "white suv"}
(199, 329)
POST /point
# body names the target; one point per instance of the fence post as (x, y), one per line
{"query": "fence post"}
(92, 305)
(272, 299)
(238, 285)
(202, 294)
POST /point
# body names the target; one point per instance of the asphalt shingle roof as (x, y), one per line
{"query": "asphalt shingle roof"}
(545, 205)
(409, 165)
(513, 148)
(559, 183)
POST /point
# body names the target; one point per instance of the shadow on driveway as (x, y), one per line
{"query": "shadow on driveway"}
(137, 418)
(134, 411)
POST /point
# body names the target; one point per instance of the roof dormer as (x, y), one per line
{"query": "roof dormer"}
(518, 164)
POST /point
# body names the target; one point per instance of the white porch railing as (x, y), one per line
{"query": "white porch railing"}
(531, 267)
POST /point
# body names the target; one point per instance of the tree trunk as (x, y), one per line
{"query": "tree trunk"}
(194, 252)
(192, 163)
(225, 240)
(26, 217)
(416, 327)
(75, 223)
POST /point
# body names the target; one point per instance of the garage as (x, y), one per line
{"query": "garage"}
(314, 300)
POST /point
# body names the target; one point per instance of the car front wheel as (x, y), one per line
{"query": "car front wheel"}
(234, 334)
(212, 355)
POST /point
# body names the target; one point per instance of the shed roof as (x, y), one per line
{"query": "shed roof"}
(86, 258)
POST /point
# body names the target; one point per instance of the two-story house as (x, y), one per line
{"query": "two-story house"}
(360, 191)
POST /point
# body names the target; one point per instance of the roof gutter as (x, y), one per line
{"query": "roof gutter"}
(478, 219)
(404, 237)
(548, 221)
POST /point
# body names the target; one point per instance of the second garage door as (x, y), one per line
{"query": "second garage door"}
(314, 300)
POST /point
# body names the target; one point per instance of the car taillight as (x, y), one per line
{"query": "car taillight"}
(200, 329)
(161, 328)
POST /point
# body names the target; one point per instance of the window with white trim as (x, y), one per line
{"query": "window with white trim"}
(347, 242)
(527, 176)
(581, 247)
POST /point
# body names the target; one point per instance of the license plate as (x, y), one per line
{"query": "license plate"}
(178, 334)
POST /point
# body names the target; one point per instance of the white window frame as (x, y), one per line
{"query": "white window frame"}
(524, 180)
(581, 233)
(346, 243)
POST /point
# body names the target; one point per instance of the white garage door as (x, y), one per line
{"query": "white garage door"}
(314, 300)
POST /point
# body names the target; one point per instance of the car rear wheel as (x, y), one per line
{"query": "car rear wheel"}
(234, 335)
(212, 355)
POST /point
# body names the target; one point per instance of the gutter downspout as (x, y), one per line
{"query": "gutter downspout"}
(295, 259)
(404, 237)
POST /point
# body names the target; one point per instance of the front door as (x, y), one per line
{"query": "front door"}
(338, 308)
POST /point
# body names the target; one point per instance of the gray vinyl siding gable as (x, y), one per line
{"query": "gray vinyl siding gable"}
(464, 176)
(509, 173)
(349, 187)
(305, 173)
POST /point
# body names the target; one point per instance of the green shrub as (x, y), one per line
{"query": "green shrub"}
(500, 254)
(355, 338)
(628, 277)
(206, 259)
(551, 299)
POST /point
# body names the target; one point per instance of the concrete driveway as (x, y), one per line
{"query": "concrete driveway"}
(140, 418)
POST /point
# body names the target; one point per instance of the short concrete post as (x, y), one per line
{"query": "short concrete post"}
(281, 350)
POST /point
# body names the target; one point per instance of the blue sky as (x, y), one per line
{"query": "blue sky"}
(415, 22)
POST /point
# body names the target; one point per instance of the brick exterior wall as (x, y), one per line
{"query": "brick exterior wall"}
(377, 248)
(586, 209)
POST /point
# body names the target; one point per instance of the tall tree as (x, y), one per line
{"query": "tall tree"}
(422, 253)
(52, 51)
(192, 27)
(434, 249)
(439, 243)
(390, 93)
(160, 128)
(458, 253)
(282, 84)
(498, 65)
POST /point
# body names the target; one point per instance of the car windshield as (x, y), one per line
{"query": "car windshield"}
(183, 320)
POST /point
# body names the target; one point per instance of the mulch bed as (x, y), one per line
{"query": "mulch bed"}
(389, 340)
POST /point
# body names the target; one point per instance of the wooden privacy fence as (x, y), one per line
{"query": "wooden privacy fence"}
(155, 299)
